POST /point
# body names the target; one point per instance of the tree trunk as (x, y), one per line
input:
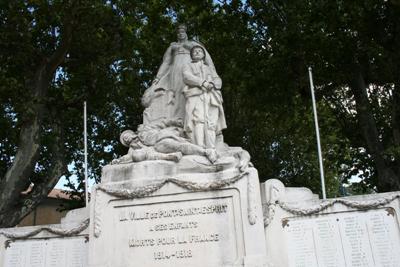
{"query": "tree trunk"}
(387, 178)
(14, 214)
(16, 179)
(17, 176)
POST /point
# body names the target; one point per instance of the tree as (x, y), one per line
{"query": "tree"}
(39, 43)
(62, 53)
(57, 54)
(352, 46)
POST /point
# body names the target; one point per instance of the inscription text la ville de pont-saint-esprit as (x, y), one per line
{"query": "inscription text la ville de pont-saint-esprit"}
(189, 238)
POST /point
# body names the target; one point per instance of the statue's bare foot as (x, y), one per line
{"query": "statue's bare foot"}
(243, 166)
(211, 154)
(176, 156)
(244, 160)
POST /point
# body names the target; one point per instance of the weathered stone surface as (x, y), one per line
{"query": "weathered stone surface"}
(184, 113)
(60, 252)
(354, 238)
(203, 219)
(302, 230)
(76, 216)
(164, 98)
(180, 196)
(161, 168)
(60, 245)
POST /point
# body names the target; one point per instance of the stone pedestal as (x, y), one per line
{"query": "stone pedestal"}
(302, 230)
(63, 245)
(213, 218)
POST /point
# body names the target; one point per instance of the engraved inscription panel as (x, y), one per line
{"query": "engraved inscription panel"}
(358, 238)
(191, 229)
(52, 252)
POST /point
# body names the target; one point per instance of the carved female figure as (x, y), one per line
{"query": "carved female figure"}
(169, 78)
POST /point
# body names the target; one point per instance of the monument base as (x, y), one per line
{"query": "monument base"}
(196, 219)
(302, 230)
(63, 245)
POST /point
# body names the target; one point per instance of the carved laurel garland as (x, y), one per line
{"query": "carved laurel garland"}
(252, 204)
(269, 208)
(268, 213)
(97, 213)
(17, 234)
(143, 191)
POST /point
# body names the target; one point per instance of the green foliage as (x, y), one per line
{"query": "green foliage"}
(261, 49)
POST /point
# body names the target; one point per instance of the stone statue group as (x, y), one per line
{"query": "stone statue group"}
(183, 110)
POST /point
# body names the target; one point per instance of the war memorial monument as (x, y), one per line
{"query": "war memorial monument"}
(181, 196)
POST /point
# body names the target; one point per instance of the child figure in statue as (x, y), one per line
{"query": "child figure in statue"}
(204, 114)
